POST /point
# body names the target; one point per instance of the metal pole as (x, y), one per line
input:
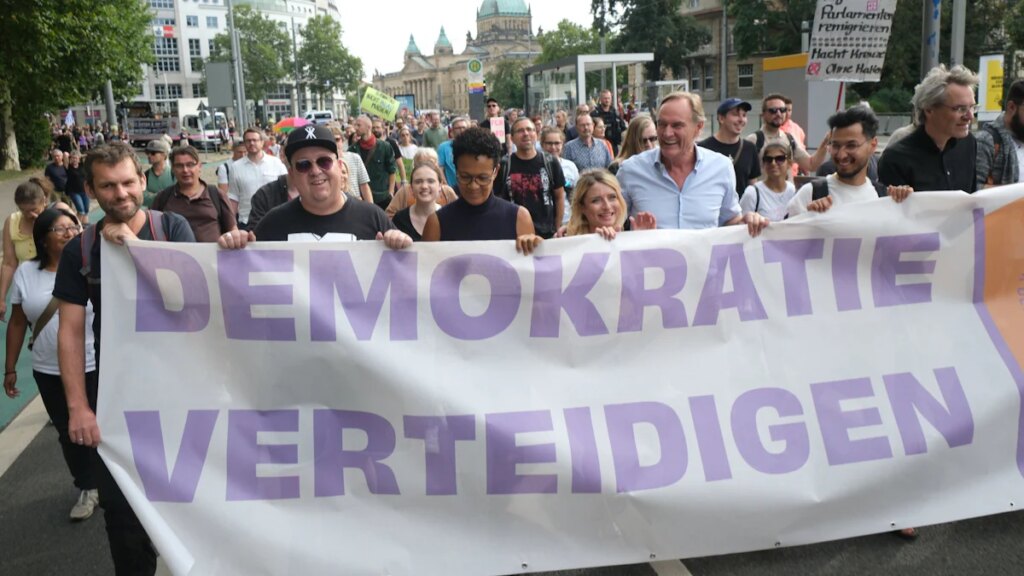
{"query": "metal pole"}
(295, 59)
(805, 36)
(956, 50)
(603, 81)
(108, 99)
(723, 74)
(930, 35)
(236, 60)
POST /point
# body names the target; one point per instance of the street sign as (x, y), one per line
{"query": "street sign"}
(475, 80)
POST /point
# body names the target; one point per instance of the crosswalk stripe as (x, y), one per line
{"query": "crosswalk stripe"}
(671, 568)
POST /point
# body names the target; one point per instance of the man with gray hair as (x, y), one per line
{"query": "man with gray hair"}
(941, 153)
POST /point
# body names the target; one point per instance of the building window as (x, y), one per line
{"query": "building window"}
(163, 21)
(192, 21)
(162, 91)
(211, 21)
(165, 47)
(198, 90)
(709, 78)
(166, 64)
(695, 79)
(745, 75)
(166, 4)
(693, 4)
(195, 54)
(212, 47)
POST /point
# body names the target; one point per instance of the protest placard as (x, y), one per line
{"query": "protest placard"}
(849, 39)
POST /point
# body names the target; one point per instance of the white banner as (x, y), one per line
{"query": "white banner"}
(849, 39)
(458, 408)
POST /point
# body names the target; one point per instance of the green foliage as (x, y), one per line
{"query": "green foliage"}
(266, 51)
(655, 26)
(770, 27)
(325, 62)
(505, 83)
(33, 139)
(568, 39)
(55, 53)
(891, 100)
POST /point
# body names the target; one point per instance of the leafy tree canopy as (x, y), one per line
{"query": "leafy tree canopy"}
(326, 63)
(505, 83)
(266, 51)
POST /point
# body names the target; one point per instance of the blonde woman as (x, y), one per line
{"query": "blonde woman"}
(599, 208)
(641, 136)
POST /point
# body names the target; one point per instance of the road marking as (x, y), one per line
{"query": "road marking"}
(670, 568)
(20, 433)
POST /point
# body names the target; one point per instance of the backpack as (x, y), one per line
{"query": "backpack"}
(997, 145)
(819, 189)
(759, 135)
(156, 229)
(506, 167)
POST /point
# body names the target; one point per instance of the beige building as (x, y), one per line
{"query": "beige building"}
(504, 31)
(703, 68)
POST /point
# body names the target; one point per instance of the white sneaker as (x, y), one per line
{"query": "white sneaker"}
(87, 501)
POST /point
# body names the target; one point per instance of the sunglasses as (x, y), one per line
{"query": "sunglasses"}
(776, 110)
(775, 159)
(650, 140)
(324, 163)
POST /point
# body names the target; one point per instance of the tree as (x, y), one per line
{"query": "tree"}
(505, 83)
(655, 26)
(568, 39)
(770, 27)
(266, 51)
(326, 63)
(56, 53)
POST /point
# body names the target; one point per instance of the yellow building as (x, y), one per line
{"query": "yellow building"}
(504, 31)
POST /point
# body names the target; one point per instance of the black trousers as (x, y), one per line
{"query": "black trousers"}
(130, 547)
(78, 458)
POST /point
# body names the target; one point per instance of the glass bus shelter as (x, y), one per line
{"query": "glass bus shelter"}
(562, 84)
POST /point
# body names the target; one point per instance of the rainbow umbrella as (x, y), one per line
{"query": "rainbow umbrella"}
(288, 124)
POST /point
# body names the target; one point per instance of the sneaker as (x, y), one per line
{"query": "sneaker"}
(83, 509)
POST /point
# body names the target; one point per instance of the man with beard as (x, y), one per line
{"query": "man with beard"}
(853, 142)
(774, 112)
(114, 178)
(381, 134)
(941, 153)
(379, 159)
(732, 119)
(532, 179)
(614, 126)
(1001, 143)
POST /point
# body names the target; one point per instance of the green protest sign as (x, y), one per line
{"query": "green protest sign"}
(379, 104)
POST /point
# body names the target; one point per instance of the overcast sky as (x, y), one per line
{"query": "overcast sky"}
(382, 45)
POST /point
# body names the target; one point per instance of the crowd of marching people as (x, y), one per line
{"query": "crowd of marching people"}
(596, 171)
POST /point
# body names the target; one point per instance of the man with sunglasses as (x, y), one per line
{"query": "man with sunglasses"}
(322, 207)
(853, 143)
(941, 153)
(774, 112)
(158, 176)
(732, 119)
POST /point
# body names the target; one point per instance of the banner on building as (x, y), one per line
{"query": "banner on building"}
(849, 39)
(457, 408)
(380, 104)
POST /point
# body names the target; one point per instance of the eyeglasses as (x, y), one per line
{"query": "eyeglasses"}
(774, 159)
(324, 163)
(849, 147)
(649, 140)
(75, 229)
(186, 166)
(781, 110)
(963, 109)
(478, 179)
(552, 143)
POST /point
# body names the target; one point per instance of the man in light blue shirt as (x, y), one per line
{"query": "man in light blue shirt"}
(683, 185)
(585, 151)
(444, 151)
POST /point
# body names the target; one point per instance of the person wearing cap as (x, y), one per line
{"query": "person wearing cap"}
(732, 119)
(322, 207)
(158, 175)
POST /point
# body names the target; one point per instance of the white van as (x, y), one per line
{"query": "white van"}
(319, 116)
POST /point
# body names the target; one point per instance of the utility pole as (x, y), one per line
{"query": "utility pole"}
(295, 59)
(236, 61)
(956, 49)
(930, 35)
(723, 74)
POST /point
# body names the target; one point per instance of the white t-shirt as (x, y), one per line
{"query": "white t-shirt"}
(572, 174)
(247, 177)
(773, 204)
(33, 289)
(357, 174)
(840, 193)
(1020, 159)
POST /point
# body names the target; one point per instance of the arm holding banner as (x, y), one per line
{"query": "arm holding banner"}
(82, 426)
(526, 237)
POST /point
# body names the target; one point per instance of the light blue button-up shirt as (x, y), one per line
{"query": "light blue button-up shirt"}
(707, 199)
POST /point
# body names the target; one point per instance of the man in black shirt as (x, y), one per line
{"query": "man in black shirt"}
(532, 180)
(57, 172)
(941, 154)
(114, 177)
(322, 206)
(613, 124)
(732, 119)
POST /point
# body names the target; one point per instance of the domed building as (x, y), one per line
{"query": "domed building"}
(504, 31)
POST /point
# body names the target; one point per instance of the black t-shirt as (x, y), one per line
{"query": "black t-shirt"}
(528, 184)
(361, 219)
(58, 175)
(916, 161)
(495, 219)
(486, 125)
(76, 181)
(71, 286)
(403, 221)
(744, 163)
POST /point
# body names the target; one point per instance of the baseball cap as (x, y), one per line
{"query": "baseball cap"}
(309, 135)
(158, 146)
(730, 103)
